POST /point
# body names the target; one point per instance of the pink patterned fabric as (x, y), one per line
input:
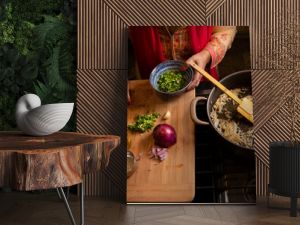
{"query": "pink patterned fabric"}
(149, 50)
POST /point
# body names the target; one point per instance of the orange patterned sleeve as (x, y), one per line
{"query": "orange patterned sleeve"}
(220, 42)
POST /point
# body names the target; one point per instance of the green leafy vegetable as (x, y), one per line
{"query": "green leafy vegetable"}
(144, 122)
(14, 30)
(171, 81)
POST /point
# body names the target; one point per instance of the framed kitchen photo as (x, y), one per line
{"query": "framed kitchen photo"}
(186, 140)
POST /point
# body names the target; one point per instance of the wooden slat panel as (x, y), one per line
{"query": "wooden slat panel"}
(102, 37)
(262, 178)
(159, 13)
(229, 12)
(267, 20)
(274, 82)
(270, 91)
(212, 6)
(296, 117)
(269, 33)
(102, 109)
(100, 184)
(102, 45)
(278, 128)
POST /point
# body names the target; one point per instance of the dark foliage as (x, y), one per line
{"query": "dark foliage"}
(37, 53)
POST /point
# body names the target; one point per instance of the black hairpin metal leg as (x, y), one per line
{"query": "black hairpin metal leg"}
(67, 193)
(62, 195)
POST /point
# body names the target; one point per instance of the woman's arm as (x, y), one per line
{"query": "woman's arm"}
(214, 51)
(220, 42)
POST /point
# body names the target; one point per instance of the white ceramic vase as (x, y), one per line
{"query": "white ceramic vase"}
(40, 120)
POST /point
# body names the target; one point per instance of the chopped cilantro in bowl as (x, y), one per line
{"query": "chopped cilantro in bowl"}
(170, 78)
(171, 81)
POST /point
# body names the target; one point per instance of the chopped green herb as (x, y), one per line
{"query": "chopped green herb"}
(143, 122)
(171, 81)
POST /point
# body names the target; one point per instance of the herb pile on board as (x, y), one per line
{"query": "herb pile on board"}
(144, 123)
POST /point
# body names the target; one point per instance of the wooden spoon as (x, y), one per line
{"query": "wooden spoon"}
(245, 107)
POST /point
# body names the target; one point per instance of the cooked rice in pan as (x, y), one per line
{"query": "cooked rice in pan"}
(233, 126)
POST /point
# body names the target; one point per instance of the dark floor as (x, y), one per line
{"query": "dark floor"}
(18, 208)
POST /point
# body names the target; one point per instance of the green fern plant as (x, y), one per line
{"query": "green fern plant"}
(17, 73)
(57, 70)
(54, 43)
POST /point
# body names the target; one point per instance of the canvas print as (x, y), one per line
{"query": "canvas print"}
(190, 115)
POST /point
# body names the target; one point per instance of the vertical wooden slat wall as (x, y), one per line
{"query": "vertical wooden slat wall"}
(102, 70)
(102, 85)
(273, 82)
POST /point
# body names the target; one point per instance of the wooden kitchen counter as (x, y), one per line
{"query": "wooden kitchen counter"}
(172, 180)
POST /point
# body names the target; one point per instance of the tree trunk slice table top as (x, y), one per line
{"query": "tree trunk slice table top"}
(57, 160)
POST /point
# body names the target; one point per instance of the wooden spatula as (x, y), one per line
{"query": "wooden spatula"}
(245, 107)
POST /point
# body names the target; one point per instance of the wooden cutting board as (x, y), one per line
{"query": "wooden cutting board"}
(172, 180)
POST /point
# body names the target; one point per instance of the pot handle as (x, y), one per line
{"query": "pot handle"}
(193, 110)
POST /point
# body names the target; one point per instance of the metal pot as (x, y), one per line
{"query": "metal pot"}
(234, 80)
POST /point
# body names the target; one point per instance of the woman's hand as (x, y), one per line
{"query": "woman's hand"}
(201, 59)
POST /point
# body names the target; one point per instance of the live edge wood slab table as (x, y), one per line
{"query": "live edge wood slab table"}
(54, 161)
